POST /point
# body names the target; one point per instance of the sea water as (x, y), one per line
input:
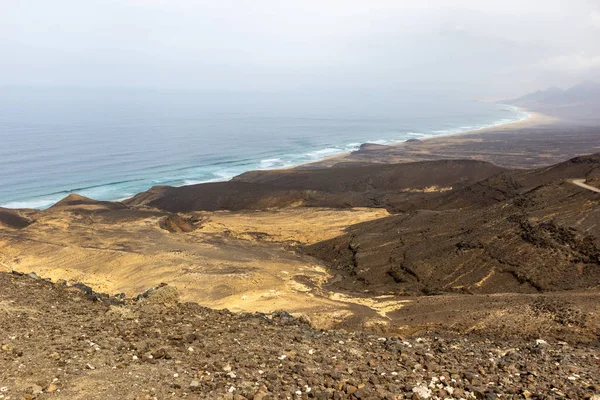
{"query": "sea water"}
(112, 143)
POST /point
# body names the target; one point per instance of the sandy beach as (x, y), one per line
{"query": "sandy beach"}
(537, 141)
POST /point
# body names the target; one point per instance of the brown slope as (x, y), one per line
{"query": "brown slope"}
(539, 238)
(593, 177)
(355, 186)
(13, 219)
(506, 185)
(218, 196)
(455, 173)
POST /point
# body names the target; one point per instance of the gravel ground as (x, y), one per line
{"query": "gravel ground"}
(61, 342)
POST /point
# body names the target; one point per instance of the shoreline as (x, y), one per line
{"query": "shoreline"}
(533, 118)
(537, 142)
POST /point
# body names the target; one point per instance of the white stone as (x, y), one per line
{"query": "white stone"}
(423, 391)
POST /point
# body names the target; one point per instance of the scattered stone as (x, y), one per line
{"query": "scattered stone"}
(35, 390)
(160, 354)
(163, 294)
(262, 356)
(51, 388)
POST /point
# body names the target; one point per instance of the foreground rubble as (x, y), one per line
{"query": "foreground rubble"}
(65, 342)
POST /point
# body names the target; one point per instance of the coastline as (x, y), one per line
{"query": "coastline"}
(312, 157)
(534, 119)
(424, 148)
(536, 142)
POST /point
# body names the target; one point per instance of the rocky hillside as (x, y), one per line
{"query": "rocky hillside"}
(61, 342)
(518, 231)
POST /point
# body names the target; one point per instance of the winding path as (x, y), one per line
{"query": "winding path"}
(581, 183)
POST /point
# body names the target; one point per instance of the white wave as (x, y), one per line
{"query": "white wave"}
(270, 163)
(330, 151)
(189, 182)
(37, 204)
(127, 197)
(380, 141)
(227, 175)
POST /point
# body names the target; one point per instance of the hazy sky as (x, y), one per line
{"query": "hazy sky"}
(484, 48)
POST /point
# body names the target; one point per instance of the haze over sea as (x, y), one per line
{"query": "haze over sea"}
(110, 144)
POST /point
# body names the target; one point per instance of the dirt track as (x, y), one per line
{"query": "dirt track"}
(581, 183)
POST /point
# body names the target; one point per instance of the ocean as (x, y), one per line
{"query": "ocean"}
(112, 143)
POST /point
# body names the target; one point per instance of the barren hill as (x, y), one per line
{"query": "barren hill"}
(354, 186)
(518, 231)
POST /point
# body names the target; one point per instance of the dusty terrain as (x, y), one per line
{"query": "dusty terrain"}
(60, 343)
(239, 260)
